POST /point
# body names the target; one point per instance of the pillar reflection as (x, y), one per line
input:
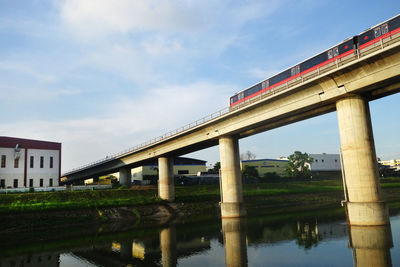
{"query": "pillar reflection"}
(168, 246)
(234, 231)
(371, 244)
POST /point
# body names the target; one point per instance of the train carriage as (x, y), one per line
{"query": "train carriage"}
(351, 48)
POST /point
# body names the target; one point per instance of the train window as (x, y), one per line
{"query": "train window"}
(241, 95)
(295, 70)
(385, 28)
(265, 84)
(335, 52)
(330, 54)
(231, 100)
(377, 32)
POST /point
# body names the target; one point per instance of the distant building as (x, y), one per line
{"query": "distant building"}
(264, 166)
(325, 162)
(390, 163)
(182, 166)
(326, 166)
(29, 163)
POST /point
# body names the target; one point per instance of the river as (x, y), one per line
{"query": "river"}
(302, 239)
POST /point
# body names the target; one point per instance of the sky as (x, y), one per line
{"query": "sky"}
(103, 76)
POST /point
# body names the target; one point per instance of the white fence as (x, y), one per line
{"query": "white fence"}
(55, 188)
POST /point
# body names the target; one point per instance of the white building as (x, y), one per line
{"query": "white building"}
(29, 163)
(325, 162)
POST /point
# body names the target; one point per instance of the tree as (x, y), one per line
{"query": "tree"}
(216, 167)
(298, 165)
(247, 156)
(250, 172)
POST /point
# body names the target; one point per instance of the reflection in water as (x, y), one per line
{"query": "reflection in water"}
(255, 241)
(41, 259)
(371, 244)
(307, 234)
(168, 246)
(234, 231)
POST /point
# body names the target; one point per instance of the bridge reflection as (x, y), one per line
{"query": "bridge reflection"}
(234, 238)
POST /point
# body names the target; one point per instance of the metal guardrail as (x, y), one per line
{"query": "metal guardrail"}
(284, 87)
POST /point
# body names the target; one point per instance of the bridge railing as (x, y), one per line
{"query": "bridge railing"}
(388, 40)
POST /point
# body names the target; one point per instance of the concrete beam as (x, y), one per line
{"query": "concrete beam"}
(231, 178)
(166, 187)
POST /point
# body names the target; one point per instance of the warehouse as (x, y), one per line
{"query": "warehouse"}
(182, 166)
(264, 166)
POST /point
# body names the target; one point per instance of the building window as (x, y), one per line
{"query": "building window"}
(41, 162)
(316, 160)
(50, 182)
(16, 163)
(3, 161)
(30, 182)
(335, 160)
(2, 183)
(15, 183)
(41, 183)
(51, 162)
(322, 160)
(31, 162)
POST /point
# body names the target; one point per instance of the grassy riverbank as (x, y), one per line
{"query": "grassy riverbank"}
(275, 193)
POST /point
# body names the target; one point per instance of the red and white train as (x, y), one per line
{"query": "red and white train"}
(342, 52)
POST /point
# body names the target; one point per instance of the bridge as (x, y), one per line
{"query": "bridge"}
(345, 85)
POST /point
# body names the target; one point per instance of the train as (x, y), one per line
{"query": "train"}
(342, 52)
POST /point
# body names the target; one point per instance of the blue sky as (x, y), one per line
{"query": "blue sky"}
(102, 76)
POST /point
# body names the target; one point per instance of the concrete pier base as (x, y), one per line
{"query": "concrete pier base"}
(365, 204)
(234, 231)
(231, 178)
(125, 176)
(168, 246)
(166, 189)
(367, 213)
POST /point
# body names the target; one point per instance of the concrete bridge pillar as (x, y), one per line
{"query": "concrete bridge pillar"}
(125, 176)
(168, 246)
(166, 188)
(231, 178)
(365, 204)
(234, 231)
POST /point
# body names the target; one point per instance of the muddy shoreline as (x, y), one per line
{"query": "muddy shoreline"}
(163, 213)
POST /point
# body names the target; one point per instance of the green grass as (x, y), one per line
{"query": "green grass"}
(39, 201)
(76, 200)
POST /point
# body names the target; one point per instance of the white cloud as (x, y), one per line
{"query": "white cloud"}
(126, 123)
(25, 69)
(89, 20)
(262, 74)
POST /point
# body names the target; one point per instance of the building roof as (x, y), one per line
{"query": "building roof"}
(11, 142)
(254, 160)
(181, 161)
